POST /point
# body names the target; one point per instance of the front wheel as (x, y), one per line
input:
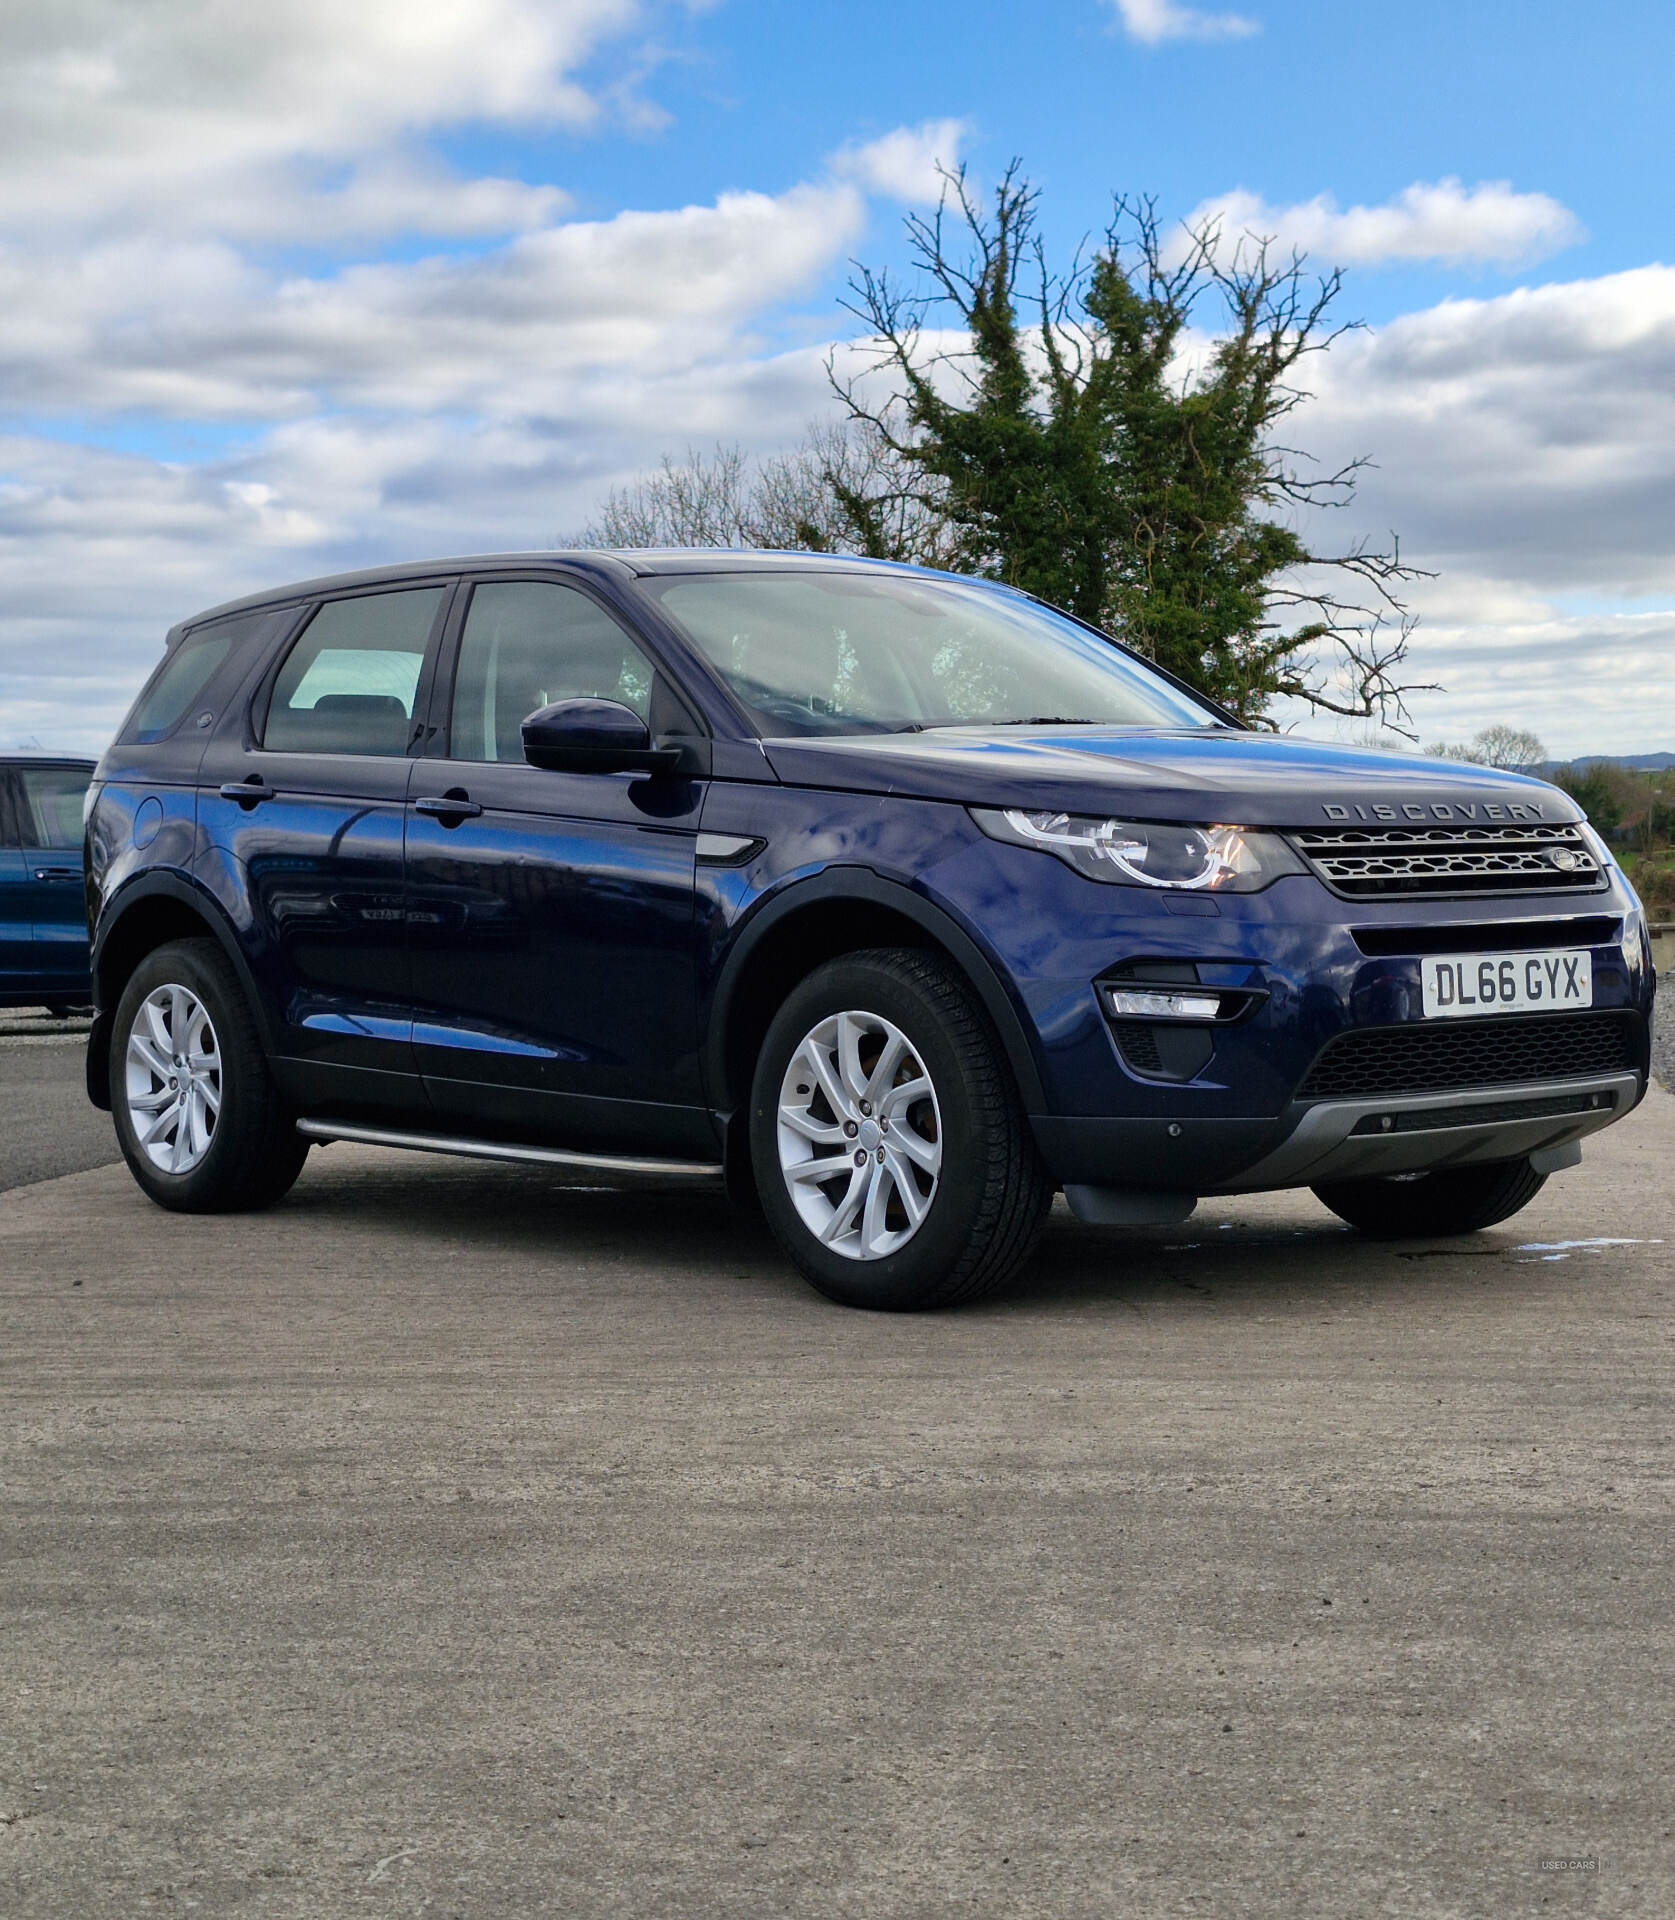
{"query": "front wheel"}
(198, 1117)
(890, 1150)
(1429, 1206)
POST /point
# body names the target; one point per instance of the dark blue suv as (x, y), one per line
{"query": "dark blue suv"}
(895, 901)
(43, 918)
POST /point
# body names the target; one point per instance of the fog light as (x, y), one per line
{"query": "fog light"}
(1156, 1003)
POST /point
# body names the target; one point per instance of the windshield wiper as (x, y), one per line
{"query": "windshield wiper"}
(1048, 720)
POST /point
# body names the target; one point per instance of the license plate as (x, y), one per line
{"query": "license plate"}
(1465, 983)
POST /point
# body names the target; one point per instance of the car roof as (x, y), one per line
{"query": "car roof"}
(30, 757)
(616, 563)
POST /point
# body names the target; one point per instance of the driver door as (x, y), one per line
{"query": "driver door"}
(550, 915)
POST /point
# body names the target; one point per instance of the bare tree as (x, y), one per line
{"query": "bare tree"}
(841, 490)
(702, 501)
(1511, 749)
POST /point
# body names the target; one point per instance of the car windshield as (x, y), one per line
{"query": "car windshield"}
(851, 652)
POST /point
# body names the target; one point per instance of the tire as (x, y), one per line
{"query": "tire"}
(1432, 1205)
(963, 1145)
(235, 1152)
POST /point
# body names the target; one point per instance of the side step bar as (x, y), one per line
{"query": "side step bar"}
(327, 1130)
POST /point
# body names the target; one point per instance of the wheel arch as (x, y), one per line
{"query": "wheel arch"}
(144, 916)
(842, 911)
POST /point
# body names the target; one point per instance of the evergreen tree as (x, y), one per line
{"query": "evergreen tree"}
(1081, 445)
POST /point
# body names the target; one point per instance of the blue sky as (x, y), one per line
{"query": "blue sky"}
(303, 286)
(1357, 100)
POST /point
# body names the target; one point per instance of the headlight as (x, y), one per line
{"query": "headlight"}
(1637, 944)
(1127, 852)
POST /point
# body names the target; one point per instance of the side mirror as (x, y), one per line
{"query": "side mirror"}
(594, 736)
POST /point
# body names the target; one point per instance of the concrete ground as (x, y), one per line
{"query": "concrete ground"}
(451, 1541)
(47, 1126)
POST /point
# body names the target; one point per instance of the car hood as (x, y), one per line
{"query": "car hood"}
(1218, 776)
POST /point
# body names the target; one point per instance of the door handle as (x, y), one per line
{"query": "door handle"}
(247, 792)
(58, 873)
(449, 808)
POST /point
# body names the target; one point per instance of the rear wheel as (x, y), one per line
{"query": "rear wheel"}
(1429, 1205)
(892, 1157)
(198, 1117)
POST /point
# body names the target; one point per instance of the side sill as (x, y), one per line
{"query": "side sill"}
(469, 1149)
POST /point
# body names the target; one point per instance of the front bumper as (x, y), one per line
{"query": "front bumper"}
(1323, 975)
(1315, 1141)
(1416, 1133)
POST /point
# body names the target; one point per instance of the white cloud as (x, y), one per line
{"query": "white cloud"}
(1153, 21)
(381, 198)
(178, 116)
(156, 156)
(1487, 224)
(906, 164)
(1529, 438)
(100, 552)
(194, 330)
(392, 406)
(1525, 447)
(1582, 684)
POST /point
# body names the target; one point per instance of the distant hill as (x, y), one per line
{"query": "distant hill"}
(1637, 762)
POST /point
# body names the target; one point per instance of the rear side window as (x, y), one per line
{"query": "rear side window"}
(52, 799)
(10, 802)
(350, 681)
(174, 688)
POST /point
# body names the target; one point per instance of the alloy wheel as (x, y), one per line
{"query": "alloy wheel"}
(860, 1135)
(173, 1079)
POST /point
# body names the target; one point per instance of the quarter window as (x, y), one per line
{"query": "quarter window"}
(183, 675)
(526, 644)
(350, 681)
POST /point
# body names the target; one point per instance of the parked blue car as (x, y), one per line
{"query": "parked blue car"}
(43, 901)
(893, 900)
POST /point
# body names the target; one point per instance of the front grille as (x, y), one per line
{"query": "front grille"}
(1490, 936)
(1139, 1046)
(1364, 863)
(1460, 1055)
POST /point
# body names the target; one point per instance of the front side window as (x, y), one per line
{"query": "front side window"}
(526, 644)
(350, 681)
(52, 801)
(853, 652)
(174, 688)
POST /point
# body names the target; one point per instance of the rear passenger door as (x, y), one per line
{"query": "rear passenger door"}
(50, 809)
(551, 914)
(309, 805)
